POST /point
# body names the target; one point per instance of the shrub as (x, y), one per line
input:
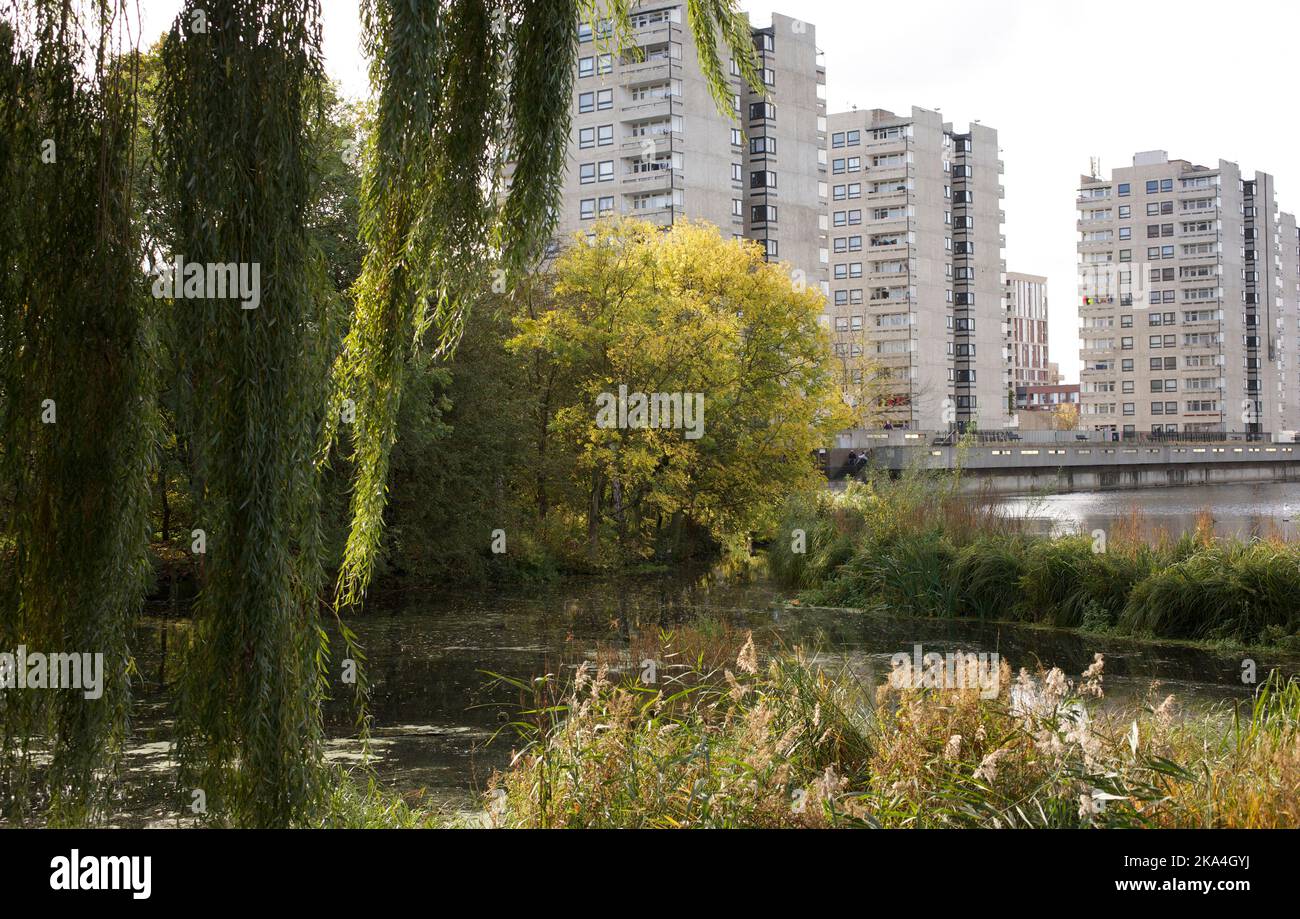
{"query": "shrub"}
(1234, 592)
(987, 575)
(789, 744)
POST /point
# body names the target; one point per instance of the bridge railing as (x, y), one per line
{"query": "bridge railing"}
(868, 440)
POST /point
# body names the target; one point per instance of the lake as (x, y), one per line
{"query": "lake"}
(438, 717)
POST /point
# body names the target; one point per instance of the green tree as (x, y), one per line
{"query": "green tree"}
(77, 406)
(237, 166)
(462, 87)
(739, 353)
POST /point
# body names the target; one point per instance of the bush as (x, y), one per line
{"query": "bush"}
(987, 576)
(914, 547)
(1234, 592)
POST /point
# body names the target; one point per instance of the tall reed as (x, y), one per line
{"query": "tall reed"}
(917, 547)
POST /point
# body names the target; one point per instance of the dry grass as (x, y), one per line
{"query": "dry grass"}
(788, 744)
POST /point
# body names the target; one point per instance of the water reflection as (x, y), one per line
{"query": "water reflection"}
(435, 707)
(1243, 511)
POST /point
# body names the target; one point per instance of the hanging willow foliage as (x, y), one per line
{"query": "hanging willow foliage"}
(462, 172)
(463, 88)
(77, 419)
(236, 166)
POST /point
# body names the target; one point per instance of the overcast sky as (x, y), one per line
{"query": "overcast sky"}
(1061, 82)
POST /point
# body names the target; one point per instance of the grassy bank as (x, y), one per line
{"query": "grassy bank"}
(916, 547)
(788, 744)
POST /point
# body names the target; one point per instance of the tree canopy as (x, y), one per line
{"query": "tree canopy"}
(461, 163)
(691, 383)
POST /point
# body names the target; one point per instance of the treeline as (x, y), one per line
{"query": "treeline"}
(915, 546)
(260, 427)
(533, 431)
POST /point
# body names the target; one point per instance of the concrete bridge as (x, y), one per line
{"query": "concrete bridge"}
(1056, 462)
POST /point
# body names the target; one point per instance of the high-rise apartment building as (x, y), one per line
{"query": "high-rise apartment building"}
(649, 141)
(1188, 287)
(915, 217)
(1027, 330)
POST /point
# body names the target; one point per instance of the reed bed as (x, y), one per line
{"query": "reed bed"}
(917, 547)
(785, 743)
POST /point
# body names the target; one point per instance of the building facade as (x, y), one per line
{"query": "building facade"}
(1027, 318)
(649, 141)
(1188, 300)
(916, 286)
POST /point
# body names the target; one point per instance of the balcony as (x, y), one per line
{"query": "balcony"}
(654, 70)
(887, 145)
(655, 33)
(651, 144)
(890, 195)
(660, 216)
(646, 109)
(879, 224)
(902, 173)
(652, 180)
(1201, 190)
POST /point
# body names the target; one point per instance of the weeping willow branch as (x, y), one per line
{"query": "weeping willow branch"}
(462, 173)
(77, 395)
(234, 145)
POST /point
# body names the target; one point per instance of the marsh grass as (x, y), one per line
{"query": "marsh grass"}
(789, 743)
(918, 547)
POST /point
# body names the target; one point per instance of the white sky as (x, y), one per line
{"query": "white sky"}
(1061, 82)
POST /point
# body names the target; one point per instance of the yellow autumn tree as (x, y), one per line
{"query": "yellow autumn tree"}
(690, 384)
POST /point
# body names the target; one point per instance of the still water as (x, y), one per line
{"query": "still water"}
(1243, 511)
(438, 717)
